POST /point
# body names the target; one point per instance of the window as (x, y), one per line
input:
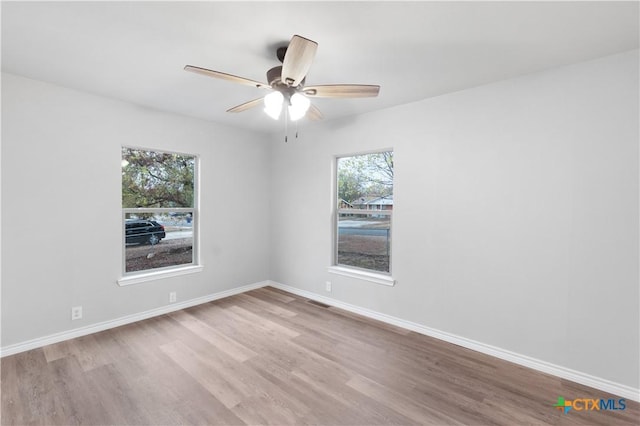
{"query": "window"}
(159, 210)
(364, 207)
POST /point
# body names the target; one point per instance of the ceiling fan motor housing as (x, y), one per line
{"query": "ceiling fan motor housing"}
(274, 77)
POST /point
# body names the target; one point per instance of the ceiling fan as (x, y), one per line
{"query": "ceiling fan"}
(287, 83)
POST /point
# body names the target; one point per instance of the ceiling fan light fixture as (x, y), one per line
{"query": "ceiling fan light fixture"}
(273, 104)
(288, 84)
(298, 106)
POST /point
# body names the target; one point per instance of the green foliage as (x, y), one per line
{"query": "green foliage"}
(367, 175)
(156, 179)
(349, 185)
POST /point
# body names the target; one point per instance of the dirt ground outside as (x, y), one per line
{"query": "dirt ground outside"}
(364, 251)
(166, 253)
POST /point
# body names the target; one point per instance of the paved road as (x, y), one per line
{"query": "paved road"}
(178, 234)
(363, 231)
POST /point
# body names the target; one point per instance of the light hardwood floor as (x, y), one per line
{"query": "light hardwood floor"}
(269, 357)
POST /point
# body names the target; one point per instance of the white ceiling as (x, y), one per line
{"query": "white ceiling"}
(135, 51)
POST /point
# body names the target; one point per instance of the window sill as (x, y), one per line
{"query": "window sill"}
(156, 275)
(363, 275)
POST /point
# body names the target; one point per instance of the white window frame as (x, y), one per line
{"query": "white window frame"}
(370, 275)
(136, 277)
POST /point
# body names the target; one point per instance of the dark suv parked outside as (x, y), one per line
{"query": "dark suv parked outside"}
(143, 231)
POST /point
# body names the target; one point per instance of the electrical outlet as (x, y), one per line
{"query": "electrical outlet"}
(327, 286)
(172, 297)
(76, 313)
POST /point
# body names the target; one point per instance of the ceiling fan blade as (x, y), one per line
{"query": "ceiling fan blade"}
(247, 105)
(297, 60)
(225, 76)
(342, 91)
(313, 113)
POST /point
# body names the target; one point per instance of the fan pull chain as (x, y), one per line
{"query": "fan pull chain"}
(286, 125)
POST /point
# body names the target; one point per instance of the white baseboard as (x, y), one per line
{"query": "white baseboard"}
(535, 364)
(101, 326)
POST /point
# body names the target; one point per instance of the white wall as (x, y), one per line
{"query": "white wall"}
(515, 219)
(61, 217)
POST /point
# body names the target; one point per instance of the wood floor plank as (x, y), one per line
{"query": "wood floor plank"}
(256, 302)
(359, 405)
(270, 357)
(229, 346)
(90, 353)
(58, 350)
(413, 409)
(265, 324)
(12, 409)
(173, 396)
(75, 395)
(198, 369)
(272, 293)
(112, 391)
(19, 388)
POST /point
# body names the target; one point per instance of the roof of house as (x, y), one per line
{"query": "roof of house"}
(384, 200)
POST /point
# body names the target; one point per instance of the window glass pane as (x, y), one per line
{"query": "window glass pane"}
(364, 187)
(158, 240)
(154, 183)
(364, 178)
(157, 179)
(364, 241)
